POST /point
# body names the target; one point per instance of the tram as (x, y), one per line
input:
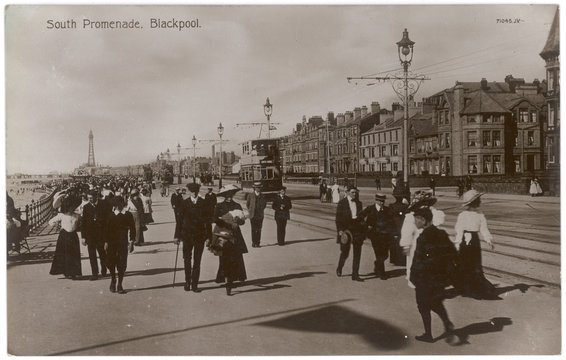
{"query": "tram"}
(260, 163)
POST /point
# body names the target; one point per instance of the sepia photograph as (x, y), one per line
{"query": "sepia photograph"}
(284, 179)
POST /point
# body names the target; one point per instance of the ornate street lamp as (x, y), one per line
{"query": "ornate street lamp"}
(179, 155)
(194, 140)
(268, 110)
(220, 132)
(405, 52)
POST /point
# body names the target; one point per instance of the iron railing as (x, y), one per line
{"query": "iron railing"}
(38, 212)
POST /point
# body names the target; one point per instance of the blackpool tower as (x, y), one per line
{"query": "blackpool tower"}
(91, 150)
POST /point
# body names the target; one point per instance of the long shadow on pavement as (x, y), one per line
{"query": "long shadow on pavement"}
(291, 242)
(180, 331)
(30, 258)
(338, 319)
(463, 334)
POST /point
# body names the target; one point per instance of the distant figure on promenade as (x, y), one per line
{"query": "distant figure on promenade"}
(409, 230)
(431, 272)
(227, 241)
(535, 189)
(380, 230)
(351, 231)
(432, 185)
(193, 215)
(335, 193)
(322, 190)
(377, 183)
(469, 183)
(92, 233)
(281, 204)
(176, 204)
(135, 207)
(67, 259)
(256, 204)
(121, 227)
(469, 224)
(147, 210)
(461, 185)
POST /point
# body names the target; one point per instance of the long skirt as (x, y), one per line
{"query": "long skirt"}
(232, 266)
(67, 259)
(138, 222)
(471, 280)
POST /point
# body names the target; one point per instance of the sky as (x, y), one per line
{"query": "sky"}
(142, 91)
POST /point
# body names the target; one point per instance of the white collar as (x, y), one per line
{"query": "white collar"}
(116, 212)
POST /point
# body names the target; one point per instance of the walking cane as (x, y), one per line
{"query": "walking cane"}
(176, 257)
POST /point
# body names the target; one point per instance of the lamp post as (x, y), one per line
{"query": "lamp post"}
(267, 110)
(179, 153)
(194, 140)
(405, 53)
(220, 132)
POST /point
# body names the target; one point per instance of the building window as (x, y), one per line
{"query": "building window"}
(486, 138)
(472, 164)
(497, 164)
(395, 150)
(447, 118)
(373, 138)
(447, 135)
(472, 138)
(384, 151)
(551, 121)
(530, 138)
(396, 135)
(447, 165)
(471, 119)
(412, 145)
(486, 164)
(497, 138)
(488, 118)
(534, 117)
(395, 166)
(523, 115)
(517, 161)
(442, 117)
(420, 145)
(383, 167)
(442, 142)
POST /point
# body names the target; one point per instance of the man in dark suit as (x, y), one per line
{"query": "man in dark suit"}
(209, 204)
(92, 229)
(193, 235)
(256, 204)
(322, 190)
(281, 204)
(348, 222)
(381, 228)
(176, 204)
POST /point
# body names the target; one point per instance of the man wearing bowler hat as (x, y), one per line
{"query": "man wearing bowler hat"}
(176, 204)
(381, 228)
(193, 235)
(281, 205)
(351, 230)
(256, 205)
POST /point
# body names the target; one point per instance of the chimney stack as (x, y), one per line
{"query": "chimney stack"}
(375, 109)
(357, 113)
(349, 116)
(364, 111)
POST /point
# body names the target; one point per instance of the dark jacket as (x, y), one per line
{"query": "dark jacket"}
(209, 204)
(118, 227)
(433, 263)
(192, 217)
(256, 205)
(398, 211)
(281, 207)
(344, 219)
(89, 227)
(378, 222)
(176, 201)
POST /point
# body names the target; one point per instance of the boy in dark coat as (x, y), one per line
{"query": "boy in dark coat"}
(281, 204)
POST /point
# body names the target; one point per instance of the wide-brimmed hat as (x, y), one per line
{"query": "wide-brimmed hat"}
(351, 187)
(470, 196)
(257, 184)
(346, 237)
(134, 192)
(421, 198)
(229, 189)
(380, 197)
(193, 187)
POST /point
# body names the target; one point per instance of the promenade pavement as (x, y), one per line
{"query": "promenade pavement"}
(292, 304)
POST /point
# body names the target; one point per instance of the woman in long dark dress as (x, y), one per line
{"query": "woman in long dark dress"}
(469, 224)
(431, 271)
(232, 267)
(67, 259)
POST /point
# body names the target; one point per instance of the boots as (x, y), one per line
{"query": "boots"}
(113, 285)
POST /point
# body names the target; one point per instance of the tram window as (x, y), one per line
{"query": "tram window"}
(270, 173)
(264, 174)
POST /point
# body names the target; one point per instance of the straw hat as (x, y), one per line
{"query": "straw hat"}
(228, 190)
(470, 196)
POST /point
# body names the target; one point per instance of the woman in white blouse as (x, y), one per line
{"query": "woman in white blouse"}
(67, 259)
(469, 225)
